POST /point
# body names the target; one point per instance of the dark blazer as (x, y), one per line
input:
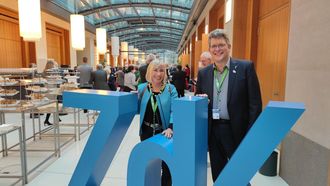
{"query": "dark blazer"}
(244, 98)
(99, 79)
(179, 80)
(143, 72)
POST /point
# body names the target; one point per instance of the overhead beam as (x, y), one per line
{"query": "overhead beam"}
(185, 10)
(162, 39)
(117, 20)
(147, 32)
(127, 37)
(144, 26)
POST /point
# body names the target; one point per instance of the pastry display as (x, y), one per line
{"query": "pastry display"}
(8, 92)
(36, 88)
(39, 80)
(36, 96)
(7, 81)
(68, 86)
(8, 102)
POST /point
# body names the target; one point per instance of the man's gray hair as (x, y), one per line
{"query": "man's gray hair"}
(150, 58)
(99, 66)
(217, 34)
(207, 55)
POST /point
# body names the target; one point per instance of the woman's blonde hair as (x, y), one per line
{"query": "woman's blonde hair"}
(154, 65)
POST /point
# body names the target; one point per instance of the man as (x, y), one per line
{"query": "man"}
(99, 78)
(143, 68)
(205, 59)
(234, 100)
(179, 81)
(85, 74)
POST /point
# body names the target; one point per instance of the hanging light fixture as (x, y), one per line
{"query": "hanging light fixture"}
(136, 55)
(115, 48)
(228, 11)
(29, 19)
(101, 40)
(124, 50)
(77, 31)
(131, 52)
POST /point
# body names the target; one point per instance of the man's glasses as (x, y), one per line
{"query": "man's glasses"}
(220, 46)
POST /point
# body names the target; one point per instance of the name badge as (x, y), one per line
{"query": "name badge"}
(215, 113)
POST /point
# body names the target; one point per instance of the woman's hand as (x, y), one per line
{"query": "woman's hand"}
(168, 133)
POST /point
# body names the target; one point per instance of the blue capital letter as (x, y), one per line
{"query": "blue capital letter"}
(117, 111)
(185, 154)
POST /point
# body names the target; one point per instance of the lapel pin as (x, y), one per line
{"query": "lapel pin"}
(234, 71)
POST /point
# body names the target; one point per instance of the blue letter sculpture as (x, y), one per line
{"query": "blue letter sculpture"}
(267, 132)
(117, 111)
(185, 154)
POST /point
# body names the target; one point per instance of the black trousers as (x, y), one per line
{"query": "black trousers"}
(221, 146)
(147, 132)
(180, 92)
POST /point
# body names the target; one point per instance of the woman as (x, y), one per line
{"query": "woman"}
(130, 79)
(49, 65)
(155, 98)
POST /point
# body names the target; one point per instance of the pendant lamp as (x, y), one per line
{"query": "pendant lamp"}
(77, 31)
(101, 40)
(29, 19)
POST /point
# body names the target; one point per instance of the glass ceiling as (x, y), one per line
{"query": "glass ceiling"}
(146, 24)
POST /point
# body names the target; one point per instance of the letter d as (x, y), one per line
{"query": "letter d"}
(185, 154)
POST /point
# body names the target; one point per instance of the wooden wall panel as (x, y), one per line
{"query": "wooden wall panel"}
(10, 44)
(201, 29)
(216, 15)
(58, 44)
(54, 46)
(24, 52)
(205, 43)
(198, 52)
(193, 59)
(267, 6)
(272, 54)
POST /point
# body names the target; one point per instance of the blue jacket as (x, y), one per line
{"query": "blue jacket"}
(164, 102)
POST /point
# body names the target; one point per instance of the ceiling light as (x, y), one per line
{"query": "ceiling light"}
(101, 40)
(77, 31)
(29, 19)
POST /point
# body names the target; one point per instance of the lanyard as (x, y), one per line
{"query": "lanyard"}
(217, 83)
(153, 104)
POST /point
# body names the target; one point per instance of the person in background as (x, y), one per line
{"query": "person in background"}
(187, 71)
(155, 98)
(179, 80)
(120, 78)
(130, 81)
(112, 80)
(143, 68)
(205, 59)
(49, 65)
(85, 71)
(234, 100)
(99, 78)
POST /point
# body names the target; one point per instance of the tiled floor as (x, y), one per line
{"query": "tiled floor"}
(58, 171)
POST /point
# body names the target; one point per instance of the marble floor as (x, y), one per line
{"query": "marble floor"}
(58, 171)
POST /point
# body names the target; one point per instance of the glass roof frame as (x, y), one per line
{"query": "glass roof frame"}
(118, 16)
(135, 4)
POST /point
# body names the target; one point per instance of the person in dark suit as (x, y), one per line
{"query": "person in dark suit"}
(179, 80)
(99, 78)
(234, 100)
(143, 68)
